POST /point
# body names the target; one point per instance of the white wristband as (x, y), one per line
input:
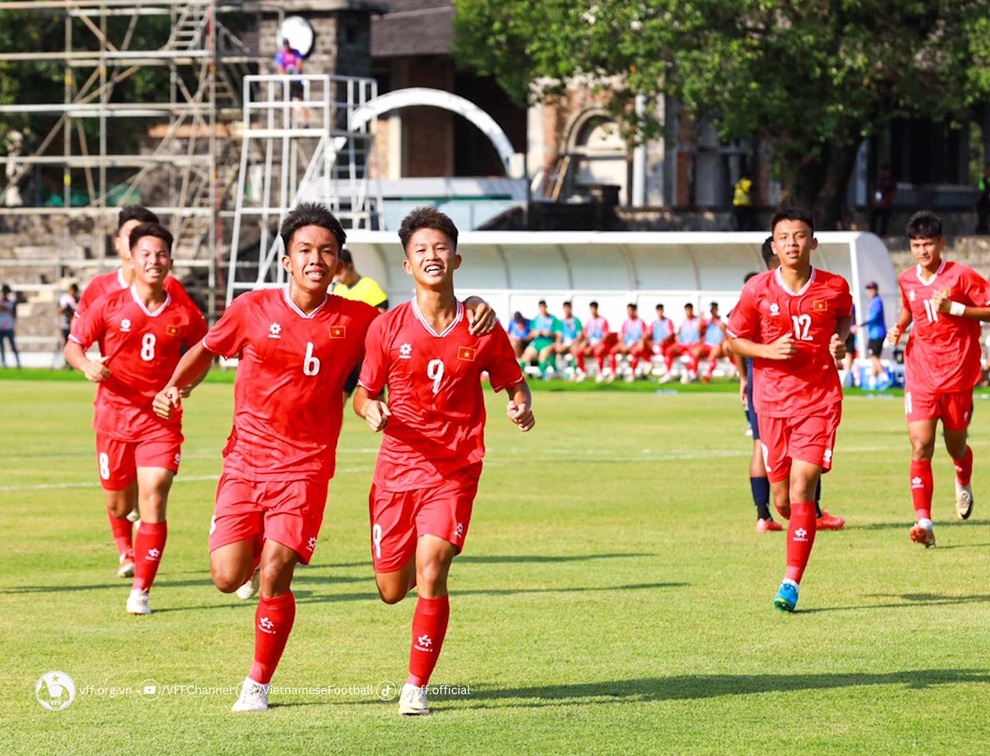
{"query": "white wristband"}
(957, 308)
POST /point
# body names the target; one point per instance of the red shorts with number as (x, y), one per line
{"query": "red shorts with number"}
(399, 518)
(807, 438)
(953, 408)
(117, 461)
(287, 512)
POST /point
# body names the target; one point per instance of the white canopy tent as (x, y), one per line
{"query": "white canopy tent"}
(514, 270)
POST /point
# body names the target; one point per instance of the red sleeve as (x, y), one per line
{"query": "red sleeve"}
(500, 362)
(844, 307)
(228, 336)
(976, 288)
(904, 295)
(745, 317)
(374, 369)
(88, 327)
(605, 330)
(197, 326)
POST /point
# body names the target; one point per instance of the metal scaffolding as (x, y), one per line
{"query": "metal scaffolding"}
(311, 149)
(185, 166)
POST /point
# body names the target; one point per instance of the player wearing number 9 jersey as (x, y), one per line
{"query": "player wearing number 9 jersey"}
(945, 301)
(429, 463)
(793, 322)
(142, 331)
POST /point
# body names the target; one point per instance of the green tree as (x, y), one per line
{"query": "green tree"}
(813, 77)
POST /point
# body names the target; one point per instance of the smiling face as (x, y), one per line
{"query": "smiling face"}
(431, 259)
(150, 261)
(927, 250)
(793, 243)
(311, 260)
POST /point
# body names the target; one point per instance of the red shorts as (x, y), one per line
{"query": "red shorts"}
(808, 438)
(117, 461)
(953, 408)
(398, 518)
(289, 513)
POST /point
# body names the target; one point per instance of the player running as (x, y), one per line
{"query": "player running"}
(296, 346)
(142, 331)
(793, 322)
(129, 218)
(430, 459)
(942, 363)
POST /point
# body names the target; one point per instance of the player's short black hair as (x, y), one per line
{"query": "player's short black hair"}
(792, 214)
(592, 303)
(660, 305)
(151, 229)
(345, 256)
(567, 304)
(924, 224)
(311, 214)
(633, 305)
(542, 302)
(135, 212)
(767, 251)
(427, 217)
(689, 304)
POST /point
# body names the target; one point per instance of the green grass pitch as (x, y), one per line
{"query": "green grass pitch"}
(613, 597)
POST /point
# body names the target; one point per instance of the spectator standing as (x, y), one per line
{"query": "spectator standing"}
(882, 200)
(8, 322)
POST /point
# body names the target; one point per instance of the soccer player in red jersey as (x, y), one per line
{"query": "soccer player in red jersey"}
(296, 347)
(129, 218)
(633, 337)
(430, 458)
(793, 322)
(945, 301)
(142, 332)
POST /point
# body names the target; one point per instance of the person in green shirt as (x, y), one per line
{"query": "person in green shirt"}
(543, 329)
(564, 338)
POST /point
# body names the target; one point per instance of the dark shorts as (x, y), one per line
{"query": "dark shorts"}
(296, 90)
(874, 347)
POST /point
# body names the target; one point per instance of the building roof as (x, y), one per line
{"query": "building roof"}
(413, 27)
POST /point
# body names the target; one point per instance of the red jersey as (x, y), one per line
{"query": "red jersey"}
(288, 393)
(943, 352)
(114, 281)
(435, 396)
(596, 330)
(808, 382)
(142, 350)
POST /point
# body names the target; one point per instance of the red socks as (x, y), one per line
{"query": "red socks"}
(429, 626)
(148, 548)
(964, 468)
(272, 625)
(123, 533)
(922, 485)
(800, 538)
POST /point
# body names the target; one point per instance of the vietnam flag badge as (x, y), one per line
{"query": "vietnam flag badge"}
(172, 330)
(820, 305)
(466, 353)
(338, 332)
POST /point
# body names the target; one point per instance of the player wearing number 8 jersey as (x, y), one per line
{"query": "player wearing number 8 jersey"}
(142, 332)
(429, 463)
(793, 322)
(945, 301)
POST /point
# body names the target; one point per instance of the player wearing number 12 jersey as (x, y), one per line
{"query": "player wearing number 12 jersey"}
(793, 322)
(945, 301)
(429, 462)
(142, 333)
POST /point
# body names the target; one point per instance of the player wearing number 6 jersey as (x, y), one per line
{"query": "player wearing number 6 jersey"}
(296, 347)
(945, 301)
(142, 332)
(429, 463)
(793, 322)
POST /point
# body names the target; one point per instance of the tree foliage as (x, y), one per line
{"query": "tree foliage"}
(814, 77)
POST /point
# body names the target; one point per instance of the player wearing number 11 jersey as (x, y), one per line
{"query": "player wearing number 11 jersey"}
(945, 301)
(429, 463)
(142, 332)
(793, 322)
